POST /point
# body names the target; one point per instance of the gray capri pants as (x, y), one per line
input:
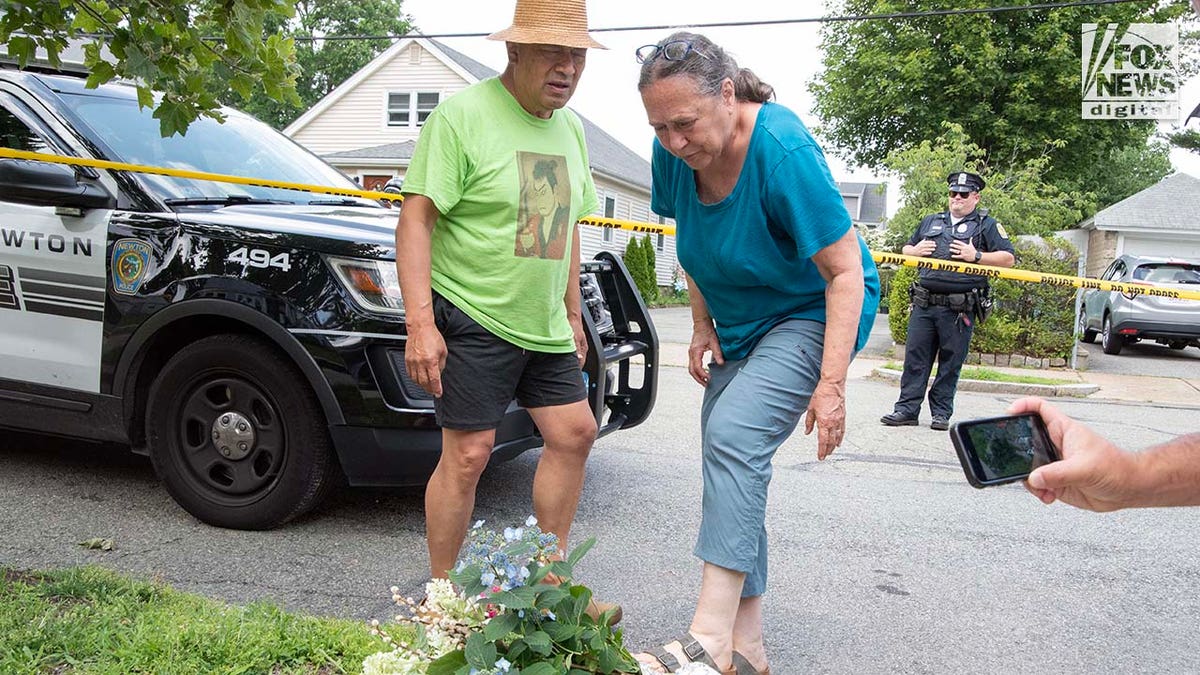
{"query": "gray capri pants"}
(750, 408)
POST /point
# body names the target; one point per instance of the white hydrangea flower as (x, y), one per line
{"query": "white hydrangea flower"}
(393, 663)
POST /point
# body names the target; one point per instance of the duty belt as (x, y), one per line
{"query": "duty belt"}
(923, 297)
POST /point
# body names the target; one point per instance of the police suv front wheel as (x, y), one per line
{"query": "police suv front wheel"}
(237, 436)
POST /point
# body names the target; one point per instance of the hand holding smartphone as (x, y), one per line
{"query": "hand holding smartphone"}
(999, 450)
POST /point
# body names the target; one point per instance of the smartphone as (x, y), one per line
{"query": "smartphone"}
(999, 450)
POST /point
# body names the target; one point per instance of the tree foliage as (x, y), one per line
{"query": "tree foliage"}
(323, 63)
(192, 52)
(639, 260)
(1009, 79)
(1020, 198)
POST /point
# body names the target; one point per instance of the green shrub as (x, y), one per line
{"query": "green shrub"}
(639, 259)
(898, 307)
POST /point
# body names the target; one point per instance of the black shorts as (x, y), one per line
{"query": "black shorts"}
(484, 373)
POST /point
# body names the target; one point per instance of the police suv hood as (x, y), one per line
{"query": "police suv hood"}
(355, 231)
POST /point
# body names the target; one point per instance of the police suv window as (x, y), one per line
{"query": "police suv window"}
(17, 135)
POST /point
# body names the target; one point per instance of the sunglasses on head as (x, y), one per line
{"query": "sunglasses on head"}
(675, 50)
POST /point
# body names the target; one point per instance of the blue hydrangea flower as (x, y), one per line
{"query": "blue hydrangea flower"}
(503, 665)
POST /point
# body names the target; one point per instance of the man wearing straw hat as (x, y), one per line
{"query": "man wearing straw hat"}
(491, 317)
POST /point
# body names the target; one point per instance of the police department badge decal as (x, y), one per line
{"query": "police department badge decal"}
(130, 258)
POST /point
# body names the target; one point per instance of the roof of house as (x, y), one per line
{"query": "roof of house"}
(608, 155)
(872, 200)
(1170, 204)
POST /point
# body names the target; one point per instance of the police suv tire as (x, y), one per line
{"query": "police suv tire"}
(1109, 340)
(1086, 335)
(275, 459)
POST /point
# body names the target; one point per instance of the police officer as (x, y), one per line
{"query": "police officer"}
(944, 303)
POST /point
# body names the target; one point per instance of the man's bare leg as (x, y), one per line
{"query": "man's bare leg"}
(569, 431)
(450, 494)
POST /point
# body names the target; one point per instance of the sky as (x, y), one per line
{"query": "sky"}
(787, 57)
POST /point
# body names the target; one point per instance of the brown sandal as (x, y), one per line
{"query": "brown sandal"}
(742, 666)
(693, 650)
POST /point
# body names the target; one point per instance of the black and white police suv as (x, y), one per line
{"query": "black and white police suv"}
(250, 340)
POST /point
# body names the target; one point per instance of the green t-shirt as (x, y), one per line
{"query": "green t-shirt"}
(509, 187)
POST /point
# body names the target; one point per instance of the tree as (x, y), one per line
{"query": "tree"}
(192, 52)
(639, 266)
(1019, 198)
(324, 64)
(1009, 79)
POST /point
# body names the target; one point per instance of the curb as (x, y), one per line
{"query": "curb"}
(1071, 390)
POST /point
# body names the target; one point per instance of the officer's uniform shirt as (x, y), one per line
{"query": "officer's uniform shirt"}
(983, 232)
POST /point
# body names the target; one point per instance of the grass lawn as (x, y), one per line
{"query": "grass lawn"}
(89, 620)
(989, 375)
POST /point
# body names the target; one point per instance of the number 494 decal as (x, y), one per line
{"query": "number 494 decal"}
(258, 257)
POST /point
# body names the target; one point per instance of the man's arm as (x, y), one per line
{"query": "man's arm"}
(425, 350)
(1094, 474)
(572, 300)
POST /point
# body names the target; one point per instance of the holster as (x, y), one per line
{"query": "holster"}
(982, 303)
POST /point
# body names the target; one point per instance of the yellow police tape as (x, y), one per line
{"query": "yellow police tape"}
(1130, 290)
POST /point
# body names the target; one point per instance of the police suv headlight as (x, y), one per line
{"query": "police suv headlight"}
(373, 284)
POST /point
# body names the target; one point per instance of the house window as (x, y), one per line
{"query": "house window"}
(410, 109)
(610, 210)
(661, 243)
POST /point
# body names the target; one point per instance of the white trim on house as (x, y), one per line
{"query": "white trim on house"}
(370, 69)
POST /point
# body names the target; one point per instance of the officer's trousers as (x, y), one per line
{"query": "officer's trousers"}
(933, 331)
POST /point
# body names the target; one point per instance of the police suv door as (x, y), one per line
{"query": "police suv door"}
(52, 272)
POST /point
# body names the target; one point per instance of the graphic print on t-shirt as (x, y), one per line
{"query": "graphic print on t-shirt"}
(543, 216)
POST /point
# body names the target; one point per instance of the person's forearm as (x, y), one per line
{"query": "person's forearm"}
(571, 297)
(997, 258)
(909, 249)
(843, 308)
(700, 313)
(414, 239)
(1169, 474)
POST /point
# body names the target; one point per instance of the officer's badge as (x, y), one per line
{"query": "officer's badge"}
(130, 258)
(1000, 229)
(962, 227)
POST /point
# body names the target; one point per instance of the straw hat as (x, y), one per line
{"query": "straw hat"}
(549, 22)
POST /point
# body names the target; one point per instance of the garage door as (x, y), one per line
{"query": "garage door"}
(1168, 248)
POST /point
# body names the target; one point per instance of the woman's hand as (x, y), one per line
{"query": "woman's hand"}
(704, 339)
(827, 411)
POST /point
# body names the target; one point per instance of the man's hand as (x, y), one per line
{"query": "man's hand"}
(924, 248)
(962, 250)
(827, 411)
(1093, 473)
(704, 339)
(425, 357)
(581, 345)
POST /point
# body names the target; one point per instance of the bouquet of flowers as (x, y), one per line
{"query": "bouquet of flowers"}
(509, 607)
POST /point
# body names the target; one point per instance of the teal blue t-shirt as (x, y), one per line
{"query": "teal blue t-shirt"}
(751, 253)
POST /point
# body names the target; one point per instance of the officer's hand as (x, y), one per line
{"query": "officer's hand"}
(926, 247)
(425, 357)
(962, 250)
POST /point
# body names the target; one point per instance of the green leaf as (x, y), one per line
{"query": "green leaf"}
(562, 632)
(23, 48)
(551, 597)
(501, 625)
(582, 549)
(447, 664)
(101, 72)
(480, 653)
(540, 668)
(518, 598)
(539, 642)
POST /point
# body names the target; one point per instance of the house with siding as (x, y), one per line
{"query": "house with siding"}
(368, 127)
(866, 202)
(1162, 220)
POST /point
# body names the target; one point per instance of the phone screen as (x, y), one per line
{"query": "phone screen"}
(1002, 449)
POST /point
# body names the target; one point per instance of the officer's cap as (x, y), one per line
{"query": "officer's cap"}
(962, 181)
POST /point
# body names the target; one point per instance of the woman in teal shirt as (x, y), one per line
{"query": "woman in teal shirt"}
(783, 294)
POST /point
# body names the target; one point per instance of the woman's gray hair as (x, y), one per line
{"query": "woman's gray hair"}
(708, 65)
